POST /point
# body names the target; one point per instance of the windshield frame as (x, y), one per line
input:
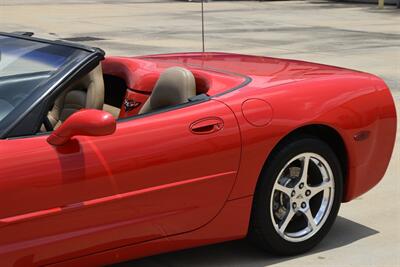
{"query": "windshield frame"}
(57, 80)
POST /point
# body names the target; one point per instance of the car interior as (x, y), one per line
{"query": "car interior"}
(135, 86)
(87, 92)
(126, 87)
(175, 85)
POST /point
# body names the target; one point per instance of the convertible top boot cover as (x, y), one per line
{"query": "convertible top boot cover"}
(175, 86)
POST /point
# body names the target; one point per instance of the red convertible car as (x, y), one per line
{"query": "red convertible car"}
(108, 159)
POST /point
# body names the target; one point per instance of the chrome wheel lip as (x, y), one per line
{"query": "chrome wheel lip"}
(298, 198)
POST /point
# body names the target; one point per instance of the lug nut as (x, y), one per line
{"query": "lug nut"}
(303, 205)
(293, 193)
(294, 205)
(308, 192)
(301, 185)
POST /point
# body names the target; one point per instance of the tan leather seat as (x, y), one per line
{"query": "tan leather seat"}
(175, 86)
(114, 111)
(88, 92)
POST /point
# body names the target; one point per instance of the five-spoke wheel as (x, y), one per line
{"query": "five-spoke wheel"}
(301, 202)
(297, 197)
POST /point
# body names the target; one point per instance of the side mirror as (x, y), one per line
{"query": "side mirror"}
(88, 122)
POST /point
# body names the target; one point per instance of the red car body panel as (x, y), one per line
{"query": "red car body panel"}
(157, 184)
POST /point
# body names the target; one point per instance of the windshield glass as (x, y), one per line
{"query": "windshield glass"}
(25, 65)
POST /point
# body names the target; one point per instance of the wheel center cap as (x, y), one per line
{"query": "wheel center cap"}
(299, 196)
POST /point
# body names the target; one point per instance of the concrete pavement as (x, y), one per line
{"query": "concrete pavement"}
(367, 232)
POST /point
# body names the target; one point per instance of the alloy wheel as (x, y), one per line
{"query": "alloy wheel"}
(302, 197)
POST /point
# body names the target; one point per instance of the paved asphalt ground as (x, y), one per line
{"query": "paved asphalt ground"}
(358, 36)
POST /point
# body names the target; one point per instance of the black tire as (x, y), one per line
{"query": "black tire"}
(262, 231)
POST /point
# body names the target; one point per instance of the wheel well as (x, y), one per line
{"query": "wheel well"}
(325, 133)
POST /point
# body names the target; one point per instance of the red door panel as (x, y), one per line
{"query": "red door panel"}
(153, 177)
(59, 202)
(35, 176)
(198, 169)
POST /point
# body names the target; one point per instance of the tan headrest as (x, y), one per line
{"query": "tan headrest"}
(175, 86)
